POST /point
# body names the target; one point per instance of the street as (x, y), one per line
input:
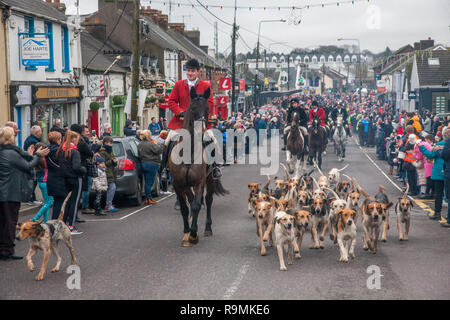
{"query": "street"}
(137, 253)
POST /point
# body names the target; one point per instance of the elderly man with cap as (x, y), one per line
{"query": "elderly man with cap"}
(303, 120)
(179, 102)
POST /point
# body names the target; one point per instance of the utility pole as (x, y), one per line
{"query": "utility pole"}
(136, 59)
(233, 62)
(265, 68)
(216, 39)
(289, 65)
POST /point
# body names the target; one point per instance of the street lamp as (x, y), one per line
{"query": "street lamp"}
(257, 55)
(359, 63)
(265, 57)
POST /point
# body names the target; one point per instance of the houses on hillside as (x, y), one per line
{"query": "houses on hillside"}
(416, 77)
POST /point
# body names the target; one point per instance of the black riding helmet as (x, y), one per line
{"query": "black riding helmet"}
(295, 100)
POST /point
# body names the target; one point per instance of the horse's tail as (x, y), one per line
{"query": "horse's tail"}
(220, 190)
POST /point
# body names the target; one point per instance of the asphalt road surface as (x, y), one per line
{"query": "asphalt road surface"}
(137, 254)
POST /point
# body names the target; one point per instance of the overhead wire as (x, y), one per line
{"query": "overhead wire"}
(109, 36)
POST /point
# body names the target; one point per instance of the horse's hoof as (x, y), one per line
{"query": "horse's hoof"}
(208, 233)
(193, 240)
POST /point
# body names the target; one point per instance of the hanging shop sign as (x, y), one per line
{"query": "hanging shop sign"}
(160, 89)
(225, 84)
(96, 85)
(51, 95)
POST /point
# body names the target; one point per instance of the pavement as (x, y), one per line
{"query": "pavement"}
(137, 253)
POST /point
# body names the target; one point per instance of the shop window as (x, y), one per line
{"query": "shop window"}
(65, 49)
(48, 27)
(29, 28)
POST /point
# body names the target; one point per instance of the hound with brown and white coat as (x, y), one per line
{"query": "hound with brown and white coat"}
(403, 211)
(252, 197)
(373, 215)
(302, 224)
(346, 234)
(284, 237)
(334, 176)
(337, 205)
(319, 219)
(264, 223)
(381, 197)
(45, 237)
(353, 199)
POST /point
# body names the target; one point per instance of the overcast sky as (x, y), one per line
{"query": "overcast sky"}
(377, 23)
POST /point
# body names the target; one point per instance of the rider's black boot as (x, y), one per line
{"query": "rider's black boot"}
(164, 161)
(284, 140)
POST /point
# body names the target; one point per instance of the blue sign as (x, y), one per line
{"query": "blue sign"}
(35, 51)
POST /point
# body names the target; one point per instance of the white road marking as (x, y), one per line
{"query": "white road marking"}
(132, 213)
(235, 285)
(381, 170)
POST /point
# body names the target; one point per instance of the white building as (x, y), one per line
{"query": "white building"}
(49, 91)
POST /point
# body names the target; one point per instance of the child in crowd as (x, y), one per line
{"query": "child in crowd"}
(99, 185)
(106, 152)
(41, 176)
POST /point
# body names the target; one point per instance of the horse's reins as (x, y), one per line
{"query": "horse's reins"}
(188, 166)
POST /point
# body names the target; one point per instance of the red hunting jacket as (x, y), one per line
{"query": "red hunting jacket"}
(180, 100)
(320, 113)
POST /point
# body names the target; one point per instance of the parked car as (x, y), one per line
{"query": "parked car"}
(130, 180)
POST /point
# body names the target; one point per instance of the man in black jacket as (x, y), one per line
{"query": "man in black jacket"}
(340, 111)
(85, 150)
(303, 120)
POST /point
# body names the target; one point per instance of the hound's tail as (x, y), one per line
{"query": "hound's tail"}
(266, 187)
(406, 192)
(286, 171)
(343, 168)
(317, 167)
(381, 188)
(363, 192)
(63, 207)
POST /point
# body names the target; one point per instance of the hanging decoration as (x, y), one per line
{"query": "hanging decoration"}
(295, 17)
(279, 8)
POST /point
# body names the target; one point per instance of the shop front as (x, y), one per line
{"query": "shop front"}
(52, 104)
(44, 106)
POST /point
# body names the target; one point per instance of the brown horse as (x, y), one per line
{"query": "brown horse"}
(316, 143)
(190, 179)
(295, 145)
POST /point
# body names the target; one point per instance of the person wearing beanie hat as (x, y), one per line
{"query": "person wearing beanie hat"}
(128, 130)
(99, 185)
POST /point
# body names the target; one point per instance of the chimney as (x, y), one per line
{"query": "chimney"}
(164, 21)
(57, 5)
(178, 27)
(194, 36)
(95, 27)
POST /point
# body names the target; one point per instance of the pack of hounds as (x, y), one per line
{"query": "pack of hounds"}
(302, 204)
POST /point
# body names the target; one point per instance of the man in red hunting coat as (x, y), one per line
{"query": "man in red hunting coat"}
(179, 102)
(180, 99)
